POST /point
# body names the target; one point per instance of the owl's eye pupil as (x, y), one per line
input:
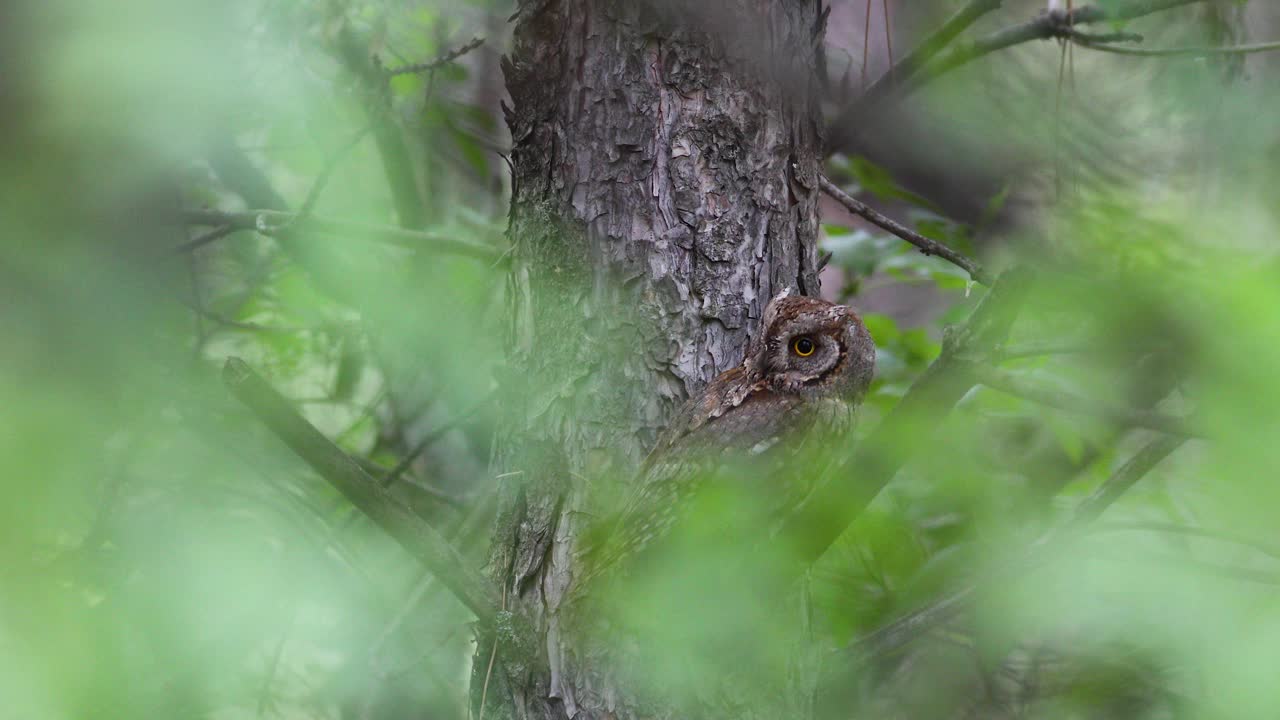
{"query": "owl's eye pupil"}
(802, 346)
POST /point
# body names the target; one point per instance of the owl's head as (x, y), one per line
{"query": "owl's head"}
(812, 347)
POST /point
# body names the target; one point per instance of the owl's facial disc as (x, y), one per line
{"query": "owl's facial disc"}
(810, 355)
(811, 347)
(803, 343)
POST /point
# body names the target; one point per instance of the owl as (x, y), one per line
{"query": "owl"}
(805, 372)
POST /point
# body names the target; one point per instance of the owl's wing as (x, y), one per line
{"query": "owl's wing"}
(724, 392)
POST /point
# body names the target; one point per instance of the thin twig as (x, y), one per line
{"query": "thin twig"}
(1118, 484)
(1040, 349)
(1177, 528)
(413, 533)
(866, 44)
(108, 498)
(926, 245)
(906, 68)
(224, 321)
(200, 241)
(493, 653)
(264, 695)
(271, 221)
(388, 135)
(197, 304)
(470, 523)
(935, 43)
(460, 534)
(1112, 37)
(1242, 574)
(1013, 385)
(435, 493)
(317, 187)
(1094, 43)
(888, 36)
(1042, 27)
(440, 61)
(1057, 124)
(394, 474)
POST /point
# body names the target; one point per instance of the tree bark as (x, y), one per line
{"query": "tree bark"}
(665, 186)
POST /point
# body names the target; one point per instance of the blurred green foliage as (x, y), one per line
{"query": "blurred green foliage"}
(162, 555)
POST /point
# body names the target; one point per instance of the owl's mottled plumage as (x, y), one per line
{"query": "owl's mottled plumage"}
(758, 412)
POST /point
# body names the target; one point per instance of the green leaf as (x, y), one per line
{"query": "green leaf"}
(474, 153)
(859, 252)
(879, 182)
(408, 85)
(883, 329)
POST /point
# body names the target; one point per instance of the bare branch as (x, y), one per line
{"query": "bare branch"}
(329, 461)
(926, 245)
(440, 61)
(1112, 37)
(1120, 11)
(1094, 43)
(200, 241)
(1043, 27)
(1119, 483)
(272, 221)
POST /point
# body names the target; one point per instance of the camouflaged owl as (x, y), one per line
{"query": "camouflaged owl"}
(805, 373)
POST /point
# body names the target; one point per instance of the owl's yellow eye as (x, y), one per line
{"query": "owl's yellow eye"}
(802, 346)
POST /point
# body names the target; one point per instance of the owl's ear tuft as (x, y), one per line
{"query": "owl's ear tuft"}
(756, 350)
(771, 310)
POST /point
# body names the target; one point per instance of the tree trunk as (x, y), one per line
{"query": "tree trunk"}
(666, 158)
